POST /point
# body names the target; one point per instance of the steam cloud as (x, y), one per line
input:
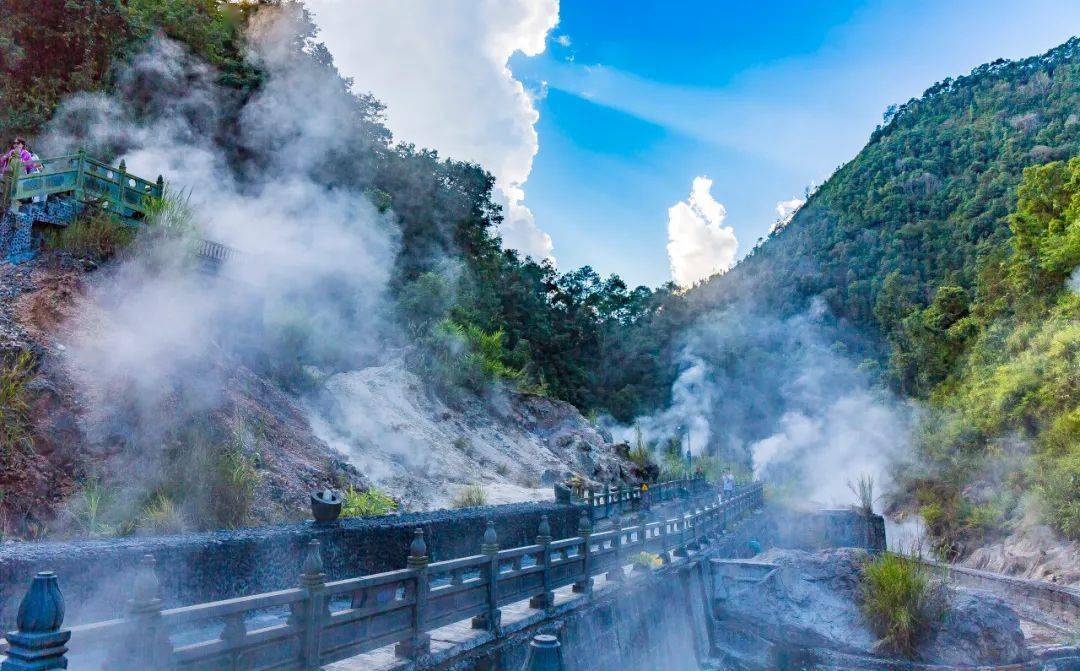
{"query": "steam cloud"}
(442, 70)
(149, 349)
(778, 396)
(699, 245)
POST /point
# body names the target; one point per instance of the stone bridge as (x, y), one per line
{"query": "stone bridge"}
(324, 621)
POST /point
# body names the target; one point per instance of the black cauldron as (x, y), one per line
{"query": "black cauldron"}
(325, 505)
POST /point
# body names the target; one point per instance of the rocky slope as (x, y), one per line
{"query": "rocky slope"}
(811, 601)
(378, 424)
(424, 451)
(40, 481)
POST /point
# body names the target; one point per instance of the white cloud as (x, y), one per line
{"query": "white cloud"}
(563, 40)
(699, 245)
(442, 70)
(785, 210)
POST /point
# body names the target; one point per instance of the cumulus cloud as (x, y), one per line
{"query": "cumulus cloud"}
(442, 70)
(699, 245)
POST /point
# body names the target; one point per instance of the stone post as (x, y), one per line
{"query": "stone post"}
(144, 643)
(681, 529)
(39, 643)
(545, 599)
(584, 586)
(664, 555)
(616, 573)
(419, 641)
(491, 619)
(545, 654)
(123, 187)
(607, 500)
(313, 581)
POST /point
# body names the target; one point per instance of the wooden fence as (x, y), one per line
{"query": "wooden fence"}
(320, 622)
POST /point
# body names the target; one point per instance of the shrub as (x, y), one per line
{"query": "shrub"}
(372, 501)
(161, 515)
(14, 402)
(1059, 493)
(646, 560)
(469, 496)
(90, 509)
(98, 236)
(641, 454)
(233, 488)
(900, 600)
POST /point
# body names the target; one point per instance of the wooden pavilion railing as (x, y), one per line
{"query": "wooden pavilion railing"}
(87, 179)
(322, 622)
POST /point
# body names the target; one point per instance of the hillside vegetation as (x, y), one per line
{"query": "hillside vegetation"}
(947, 244)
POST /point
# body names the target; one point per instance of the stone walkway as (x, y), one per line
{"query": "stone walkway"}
(456, 639)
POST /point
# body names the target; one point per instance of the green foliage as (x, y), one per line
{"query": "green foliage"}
(901, 601)
(98, 236)
(863, 489)
(15, 372)
(371, 501)
(466, 356)
(50, 49)
(469, 496)
(1017, 380)
(641, 453)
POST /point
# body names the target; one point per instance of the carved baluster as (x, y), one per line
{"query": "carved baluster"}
(616, 573)
(491, 619)
(39, 642)
(313, 580)
(546, 598)
(144, 643)
(232, 636)
(419, 641)
(585, 584)
(457, 576)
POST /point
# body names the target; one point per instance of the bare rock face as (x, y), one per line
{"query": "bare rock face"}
(1034, 552)
(802, 600)
(424, 451)
(978, 628)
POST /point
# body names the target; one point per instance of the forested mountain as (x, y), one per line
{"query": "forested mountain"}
(942, 266)
(946, 244)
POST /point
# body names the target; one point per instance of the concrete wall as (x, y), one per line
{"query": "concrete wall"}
(95, 576)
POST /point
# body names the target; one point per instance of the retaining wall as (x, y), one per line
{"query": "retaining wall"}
(96, 575)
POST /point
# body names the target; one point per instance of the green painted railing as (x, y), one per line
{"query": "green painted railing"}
(86, 179)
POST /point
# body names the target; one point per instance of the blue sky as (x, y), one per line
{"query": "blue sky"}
(763, 98)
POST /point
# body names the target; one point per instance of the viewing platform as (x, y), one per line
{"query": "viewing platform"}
(59, 191)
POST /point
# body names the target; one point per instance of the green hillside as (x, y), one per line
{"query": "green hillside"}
(948, 241)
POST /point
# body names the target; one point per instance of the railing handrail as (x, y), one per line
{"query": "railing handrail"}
(89, 178)
(378, 601)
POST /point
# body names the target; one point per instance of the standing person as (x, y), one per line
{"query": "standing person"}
(18, 152)
(728, 484)
(646, 497)
(32, 167)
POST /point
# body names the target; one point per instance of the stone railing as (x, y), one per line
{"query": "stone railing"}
(87, 179)
(601, 504)
(320, 622)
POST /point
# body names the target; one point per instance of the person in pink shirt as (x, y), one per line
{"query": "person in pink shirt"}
(19, 151)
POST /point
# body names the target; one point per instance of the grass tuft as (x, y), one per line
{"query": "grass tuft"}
(15, 372)
(901, 600)
(469, 496)
(373, 501)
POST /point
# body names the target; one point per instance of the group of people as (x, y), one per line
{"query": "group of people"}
(20, 151)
